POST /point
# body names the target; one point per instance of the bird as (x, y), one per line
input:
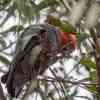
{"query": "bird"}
(36, 49)
(68, 31)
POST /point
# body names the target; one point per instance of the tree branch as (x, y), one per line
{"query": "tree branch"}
(97, 59)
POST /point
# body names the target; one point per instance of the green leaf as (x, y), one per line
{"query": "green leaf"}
(93, 75)
(4, 2)
(4, 60)
(29, 12)
(81, 37)
(28, 9)
(46, 3)
(15, 28)
(88, 63)
(25, 8)
(92, 88)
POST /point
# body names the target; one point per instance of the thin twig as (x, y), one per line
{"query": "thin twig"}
(51, 79)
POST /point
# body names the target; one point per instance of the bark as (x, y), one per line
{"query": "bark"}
(97, 59)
